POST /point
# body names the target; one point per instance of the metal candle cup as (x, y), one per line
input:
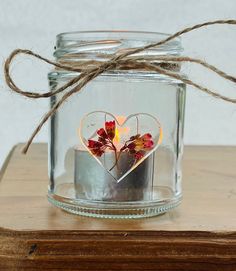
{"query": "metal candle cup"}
(94, 182)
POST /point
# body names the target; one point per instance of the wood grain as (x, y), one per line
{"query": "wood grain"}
(199, 235)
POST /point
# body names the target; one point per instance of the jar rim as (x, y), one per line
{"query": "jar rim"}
(70, 34)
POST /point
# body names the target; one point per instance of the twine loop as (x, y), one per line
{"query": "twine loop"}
(121, 61)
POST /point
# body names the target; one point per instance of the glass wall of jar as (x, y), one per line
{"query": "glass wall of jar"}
(116, 146)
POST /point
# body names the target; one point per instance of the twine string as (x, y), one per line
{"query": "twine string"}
(87, 74)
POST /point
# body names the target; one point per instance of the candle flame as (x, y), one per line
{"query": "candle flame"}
(120, 130)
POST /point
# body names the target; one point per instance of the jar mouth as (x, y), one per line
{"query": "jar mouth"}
(101, 44)
(74, 35)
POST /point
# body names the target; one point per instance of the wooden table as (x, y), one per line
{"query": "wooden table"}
(199, 235)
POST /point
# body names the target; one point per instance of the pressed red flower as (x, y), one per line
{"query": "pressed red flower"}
(138, 145)
(95, 147)
(147, 136)
(102, 133)
(94, 144)
(97, 152)
(149, 144)
(110, 127)
(143, 143)
(138, 156)
(131, 146)
(102, 140)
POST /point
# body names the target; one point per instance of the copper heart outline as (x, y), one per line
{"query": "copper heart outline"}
(85, 141)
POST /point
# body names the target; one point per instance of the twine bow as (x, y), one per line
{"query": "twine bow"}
(117, 61)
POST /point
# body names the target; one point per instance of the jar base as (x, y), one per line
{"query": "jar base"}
(121, 210)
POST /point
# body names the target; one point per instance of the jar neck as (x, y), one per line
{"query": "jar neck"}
(87, 49)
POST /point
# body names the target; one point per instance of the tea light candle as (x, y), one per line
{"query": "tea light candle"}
(92, 180)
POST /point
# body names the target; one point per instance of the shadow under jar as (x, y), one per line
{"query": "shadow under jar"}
(116, 146)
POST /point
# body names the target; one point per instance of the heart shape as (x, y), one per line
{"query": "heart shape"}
(120, 144)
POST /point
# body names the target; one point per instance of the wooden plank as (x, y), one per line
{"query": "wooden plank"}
(209, 185)
(94, 250)
(199, 235)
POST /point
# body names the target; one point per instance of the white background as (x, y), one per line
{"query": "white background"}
(33, 24)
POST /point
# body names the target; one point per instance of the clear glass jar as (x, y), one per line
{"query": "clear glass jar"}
(116, 147)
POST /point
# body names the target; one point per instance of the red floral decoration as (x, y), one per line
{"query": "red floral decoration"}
(105, 139)
(110, 129)
(96, 147)
(136, 145)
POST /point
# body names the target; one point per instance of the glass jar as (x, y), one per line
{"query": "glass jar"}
(116, 146)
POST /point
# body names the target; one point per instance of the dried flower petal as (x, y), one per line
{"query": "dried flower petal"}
(139, 145)
(102, 140)
(147, 136)
(134, 137)
(94, 144)
(131, 146)
(148, 144)
(97, 152)
(110, 127)
(102, 133)
(144, 142)
(95, 147)
(138, 155)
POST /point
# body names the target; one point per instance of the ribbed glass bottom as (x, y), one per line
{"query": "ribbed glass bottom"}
(124, 210)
